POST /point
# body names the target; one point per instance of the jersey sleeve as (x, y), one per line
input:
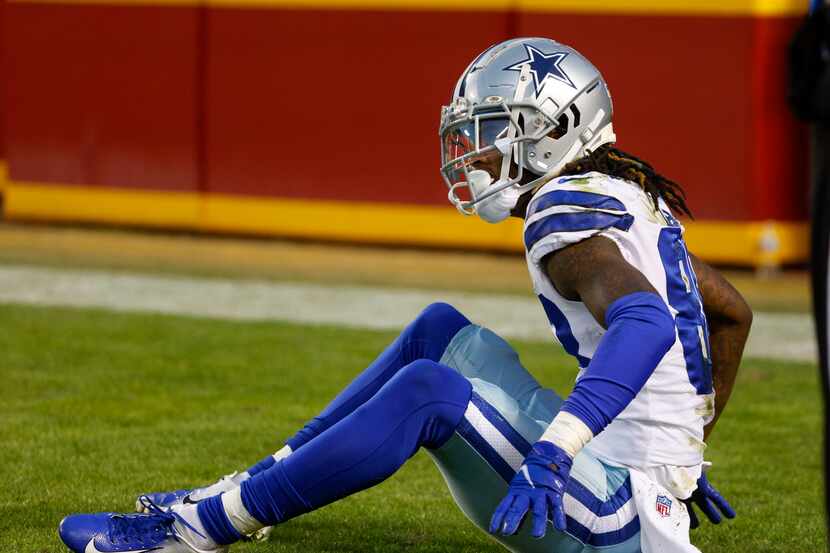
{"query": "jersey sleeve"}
(571, 209)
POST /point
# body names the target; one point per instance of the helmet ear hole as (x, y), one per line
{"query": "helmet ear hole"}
(561, 128)
(577, 115)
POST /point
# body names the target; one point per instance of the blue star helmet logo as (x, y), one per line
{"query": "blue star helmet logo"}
(543, 67)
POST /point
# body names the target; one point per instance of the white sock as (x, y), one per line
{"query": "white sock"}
(190, 514)
(240, 477)
(282, 453)
(240, 518)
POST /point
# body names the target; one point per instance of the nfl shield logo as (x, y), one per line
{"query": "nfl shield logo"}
(663, 506)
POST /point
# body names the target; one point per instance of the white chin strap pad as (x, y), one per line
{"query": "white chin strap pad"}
(602, 136)
(587, 143)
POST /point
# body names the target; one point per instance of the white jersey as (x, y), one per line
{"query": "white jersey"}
(664, 423)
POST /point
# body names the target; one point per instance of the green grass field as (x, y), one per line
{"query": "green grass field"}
(98, 407)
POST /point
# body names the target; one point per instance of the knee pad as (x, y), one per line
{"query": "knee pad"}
(425, 382)
(434, 398)
(441, 314)
(433, 329)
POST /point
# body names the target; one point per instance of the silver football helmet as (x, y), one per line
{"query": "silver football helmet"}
(526, 104)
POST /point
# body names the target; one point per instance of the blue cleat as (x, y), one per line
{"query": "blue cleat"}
(156, 531)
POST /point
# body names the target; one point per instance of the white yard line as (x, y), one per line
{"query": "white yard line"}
(781, 336)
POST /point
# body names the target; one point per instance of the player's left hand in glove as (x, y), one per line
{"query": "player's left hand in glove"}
(708, 500)
(538, 487)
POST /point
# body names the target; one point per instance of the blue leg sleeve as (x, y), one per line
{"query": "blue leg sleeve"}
(425, 338)
(264, 464)
(420, 406)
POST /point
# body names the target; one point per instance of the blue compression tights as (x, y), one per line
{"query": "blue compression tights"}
(404, 400)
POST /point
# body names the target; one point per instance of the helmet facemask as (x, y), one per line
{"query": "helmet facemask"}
(490, 131)
(493, 134)
(472, 139)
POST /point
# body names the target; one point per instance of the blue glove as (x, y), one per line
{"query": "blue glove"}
(706, 497)
(538, 487)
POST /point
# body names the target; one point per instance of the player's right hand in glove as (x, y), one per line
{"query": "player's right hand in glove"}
(538, 487)
(706, 497)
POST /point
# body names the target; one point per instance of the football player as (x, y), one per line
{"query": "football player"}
(657, 336)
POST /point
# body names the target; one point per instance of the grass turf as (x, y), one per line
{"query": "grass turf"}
(99, 406)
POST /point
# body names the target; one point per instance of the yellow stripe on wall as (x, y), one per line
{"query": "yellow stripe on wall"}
(357, 222)
(755, 244)
(752, 243)
(118, 206)
(4, 174)
(646, 7)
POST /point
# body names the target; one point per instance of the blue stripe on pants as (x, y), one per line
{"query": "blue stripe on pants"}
(503, 449)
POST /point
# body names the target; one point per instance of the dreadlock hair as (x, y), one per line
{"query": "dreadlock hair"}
(616, 163)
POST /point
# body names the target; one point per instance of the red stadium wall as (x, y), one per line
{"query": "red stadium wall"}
(3, 101)
(322, 121)
(335, 105)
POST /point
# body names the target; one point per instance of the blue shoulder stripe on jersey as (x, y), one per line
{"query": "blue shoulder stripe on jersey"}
(575, 222)
(563, 330)
(614, 537)
(576, 198)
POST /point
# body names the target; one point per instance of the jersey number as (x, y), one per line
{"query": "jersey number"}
(684, 297)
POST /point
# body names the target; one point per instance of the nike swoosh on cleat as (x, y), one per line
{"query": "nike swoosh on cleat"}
(92, 548)
(187, 501)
